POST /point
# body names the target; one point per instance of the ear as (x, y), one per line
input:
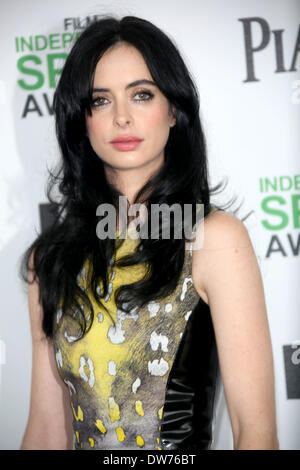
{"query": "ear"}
(172, 116)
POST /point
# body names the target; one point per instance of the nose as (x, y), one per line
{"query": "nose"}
(122, 116)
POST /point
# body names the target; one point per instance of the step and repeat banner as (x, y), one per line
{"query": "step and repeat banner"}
(245, 59)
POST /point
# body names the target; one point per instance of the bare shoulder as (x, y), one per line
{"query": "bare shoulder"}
(219, 237)
(227, 277)
(224, 230)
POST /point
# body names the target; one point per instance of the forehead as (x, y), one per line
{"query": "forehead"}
(122, 62)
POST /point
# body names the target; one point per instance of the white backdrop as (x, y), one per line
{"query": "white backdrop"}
(250, 105)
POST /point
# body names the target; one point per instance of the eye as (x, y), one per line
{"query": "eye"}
(97, 100)
(146, 93)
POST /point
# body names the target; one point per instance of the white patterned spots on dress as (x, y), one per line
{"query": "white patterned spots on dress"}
(70, 339)
(184, 287)
(180, 336)
(109, 291)
(187, 315)
(112, 367)
(158, 368)
(115, 333)
(89, 363)
(168, 307)
(100, 317)
(92, 376)
(70, 386)
(153, 308)
(98, 290)
(58, 357)
(156, 340)
(58, 315)
(136, 385)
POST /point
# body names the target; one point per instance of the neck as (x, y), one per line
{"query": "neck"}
(130, 181)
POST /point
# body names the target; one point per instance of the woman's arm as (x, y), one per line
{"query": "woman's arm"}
(226, 273)
(50, 420)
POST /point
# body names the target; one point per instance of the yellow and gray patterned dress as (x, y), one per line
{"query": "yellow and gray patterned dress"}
(118, 375)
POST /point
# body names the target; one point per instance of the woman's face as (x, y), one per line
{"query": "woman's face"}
(139, 110)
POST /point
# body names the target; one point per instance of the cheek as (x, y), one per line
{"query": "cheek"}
(91, 125)
(158, 118)
(95, 127)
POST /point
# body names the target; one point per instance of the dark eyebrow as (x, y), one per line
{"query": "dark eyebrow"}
(130, 85)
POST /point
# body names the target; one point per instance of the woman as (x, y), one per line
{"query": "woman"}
(128, 351)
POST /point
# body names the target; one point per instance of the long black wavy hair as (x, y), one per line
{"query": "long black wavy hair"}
(59, 252)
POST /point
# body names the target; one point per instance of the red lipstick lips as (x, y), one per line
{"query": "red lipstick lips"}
(126, 143)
